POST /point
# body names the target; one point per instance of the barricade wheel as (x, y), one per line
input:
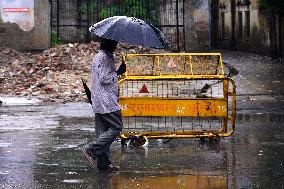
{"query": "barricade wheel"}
(136, 140)
(123, 142)
(215, 139)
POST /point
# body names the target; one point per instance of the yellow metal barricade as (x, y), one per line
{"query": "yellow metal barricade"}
(177, 95)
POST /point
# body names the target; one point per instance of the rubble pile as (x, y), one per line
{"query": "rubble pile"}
(53, 75)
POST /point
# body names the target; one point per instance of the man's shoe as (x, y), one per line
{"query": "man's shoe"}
(114, 167)
(91, 158)
(109, 167)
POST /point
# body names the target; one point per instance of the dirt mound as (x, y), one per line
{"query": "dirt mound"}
(53, 75)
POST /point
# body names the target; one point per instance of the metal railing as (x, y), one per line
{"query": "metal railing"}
(70, 19)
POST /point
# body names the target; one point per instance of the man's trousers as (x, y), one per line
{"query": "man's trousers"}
(108, 126)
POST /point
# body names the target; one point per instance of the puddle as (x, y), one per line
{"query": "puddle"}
(19, 101)
(5, 145)
(72, 181)
(4, 172)
(180, 181)
(40, 147)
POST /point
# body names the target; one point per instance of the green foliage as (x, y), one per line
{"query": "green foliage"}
(55, 40)
(143, 9)
(109, 11)
(91, 6)
(276, 6)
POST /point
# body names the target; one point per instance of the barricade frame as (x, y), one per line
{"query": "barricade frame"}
(229, 91)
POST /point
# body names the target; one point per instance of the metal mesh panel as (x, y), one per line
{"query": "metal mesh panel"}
(172, 64)
(201, 65)
(72, 32)
(179, 89)
(142, 65)
(171, 21)
(172, 88)
(171, 124)
(206, 65)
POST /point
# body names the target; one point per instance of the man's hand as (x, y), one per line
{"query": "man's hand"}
(122, 69)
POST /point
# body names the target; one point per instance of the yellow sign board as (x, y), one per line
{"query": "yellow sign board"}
(173, 107)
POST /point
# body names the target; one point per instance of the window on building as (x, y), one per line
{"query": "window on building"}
(247, 26)
(223, 25)
(240, 25)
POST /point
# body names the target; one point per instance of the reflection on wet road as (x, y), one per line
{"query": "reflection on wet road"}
(40, 148)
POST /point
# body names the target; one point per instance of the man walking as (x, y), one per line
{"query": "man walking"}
(108, 121)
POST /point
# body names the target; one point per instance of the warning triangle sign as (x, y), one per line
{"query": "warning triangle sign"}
(144, 89)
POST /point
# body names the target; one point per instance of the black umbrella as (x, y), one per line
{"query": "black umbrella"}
(130, 30)
(87, 91)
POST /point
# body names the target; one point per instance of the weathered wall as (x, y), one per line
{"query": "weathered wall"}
(282, 37)
(259, 30)
(196, 21)
(224, 37)
(25, 30)
(258, 40)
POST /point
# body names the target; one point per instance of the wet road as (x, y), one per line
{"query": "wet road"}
(40, 148)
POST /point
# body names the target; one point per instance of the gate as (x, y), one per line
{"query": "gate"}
(177, 95)
(70, 19)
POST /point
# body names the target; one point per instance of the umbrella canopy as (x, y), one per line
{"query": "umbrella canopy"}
(130, 30)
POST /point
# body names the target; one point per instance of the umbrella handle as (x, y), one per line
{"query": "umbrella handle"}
(124, 58)
(124, 62)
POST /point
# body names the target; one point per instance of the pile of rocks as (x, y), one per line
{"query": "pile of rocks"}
(53, 75)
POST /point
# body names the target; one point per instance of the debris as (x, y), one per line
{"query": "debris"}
(6, 51)
(53, 75)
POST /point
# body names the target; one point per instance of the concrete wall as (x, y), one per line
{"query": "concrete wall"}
(26, 30)
(196, 21)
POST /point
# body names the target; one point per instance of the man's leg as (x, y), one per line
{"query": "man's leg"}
(113, 122)
(88, 150)
(100, 128)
